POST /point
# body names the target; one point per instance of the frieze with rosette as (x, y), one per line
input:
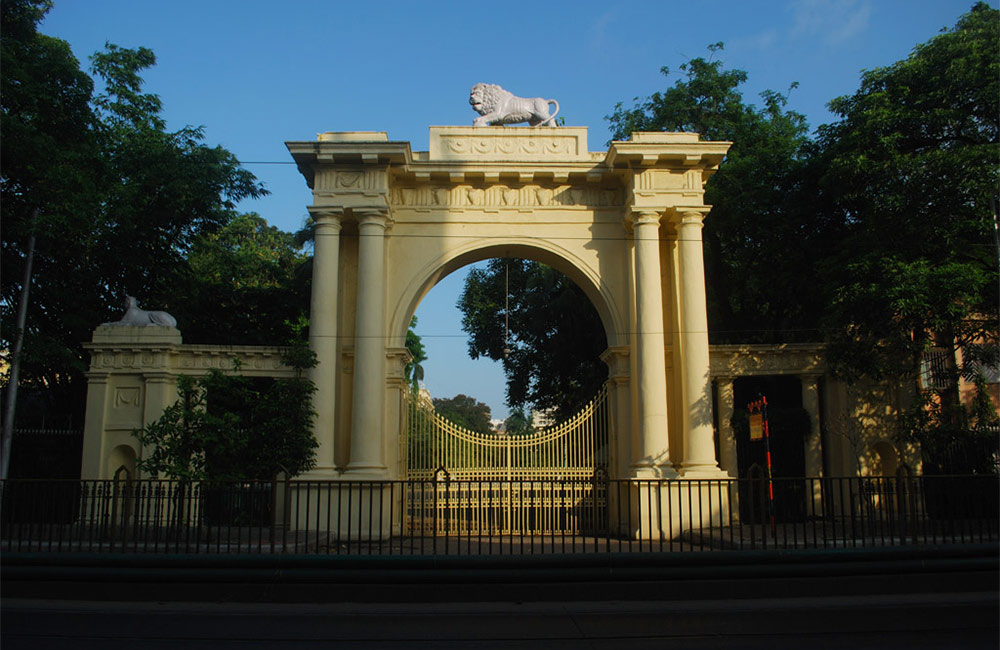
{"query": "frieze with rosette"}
(511, 147)
(506, 196)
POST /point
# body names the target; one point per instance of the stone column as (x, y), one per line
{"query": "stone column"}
(652, 458)
(369, 358)
(810, 402)
(727, 438)
(323, 333)
(813, 445)
(94, 426)
(620, 400)
(699, 446)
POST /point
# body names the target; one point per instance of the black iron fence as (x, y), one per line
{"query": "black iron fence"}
(447, 517)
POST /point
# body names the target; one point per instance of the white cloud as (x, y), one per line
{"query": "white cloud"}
(834, 21)
(759, 41)
(599, 29)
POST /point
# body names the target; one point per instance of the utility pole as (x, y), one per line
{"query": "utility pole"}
(994, 200)
(15, 361)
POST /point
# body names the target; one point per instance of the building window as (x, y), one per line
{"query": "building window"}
(977, 357)
(934, 372)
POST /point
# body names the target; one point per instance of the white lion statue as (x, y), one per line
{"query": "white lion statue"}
(498, 106)
(135, 317)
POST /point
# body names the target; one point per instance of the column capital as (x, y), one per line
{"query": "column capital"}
(373, 215)
(617, 360)
(330, 220)
(325, 212)
(637, 216)
(689, 215)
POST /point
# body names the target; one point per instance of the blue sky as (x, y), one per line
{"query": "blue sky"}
(258, 73)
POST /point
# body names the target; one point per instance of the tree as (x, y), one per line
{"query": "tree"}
(551, 355)
(230, 427)
(764, 233)
(910, 168)
(413, 373)
(244, 284)
(120, 200)
(49, 140)
(465, 411)
(519, 423)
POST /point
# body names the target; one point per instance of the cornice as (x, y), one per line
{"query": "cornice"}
(784, 359)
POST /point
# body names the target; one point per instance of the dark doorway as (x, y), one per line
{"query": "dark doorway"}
(789, 425)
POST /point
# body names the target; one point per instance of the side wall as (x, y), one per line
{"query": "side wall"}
(133, 378)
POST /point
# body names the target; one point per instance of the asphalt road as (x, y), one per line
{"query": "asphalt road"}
(935, 622)
(933, 599)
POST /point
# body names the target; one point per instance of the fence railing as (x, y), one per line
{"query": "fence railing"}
(444, 516)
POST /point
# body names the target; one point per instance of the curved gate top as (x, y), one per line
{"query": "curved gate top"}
(624, 224)
(571, 450)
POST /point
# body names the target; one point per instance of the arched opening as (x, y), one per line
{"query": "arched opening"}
(121, 456)
(553, 364)
(887, 458)
(586, 283)
(588, 280)
(492, 478)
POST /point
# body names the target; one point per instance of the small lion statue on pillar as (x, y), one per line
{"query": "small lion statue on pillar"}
(498, 106)
(136, 317)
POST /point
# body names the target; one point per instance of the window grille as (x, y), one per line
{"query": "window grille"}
(934, 372)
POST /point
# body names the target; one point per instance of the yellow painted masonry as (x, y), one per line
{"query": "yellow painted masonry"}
(624, 224)
(133, 378)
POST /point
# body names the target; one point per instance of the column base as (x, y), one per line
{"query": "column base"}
(704, 471)
(653, 472)
(365, 473)
(329, 473)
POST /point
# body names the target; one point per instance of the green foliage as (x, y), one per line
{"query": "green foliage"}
(910, 168)
(413, 373)
(121, 201)
(763, 235)
(242, 284)
(465, 411)
(229, 426)
(176, 444)
(50, 144)
(552, 355)
(519, 423)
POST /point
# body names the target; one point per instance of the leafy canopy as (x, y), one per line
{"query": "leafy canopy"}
(246, 283)
(541, 326)
(910, 169)
(413, 372)
(120, 200)
(465, 411)
(762, 236)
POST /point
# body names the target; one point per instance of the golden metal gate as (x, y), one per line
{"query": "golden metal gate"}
(462, 482)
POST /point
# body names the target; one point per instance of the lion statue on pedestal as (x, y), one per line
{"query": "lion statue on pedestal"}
(498, 106)
(137, 317)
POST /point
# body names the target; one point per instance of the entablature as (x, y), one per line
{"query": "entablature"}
(519, 167)
(741, 360)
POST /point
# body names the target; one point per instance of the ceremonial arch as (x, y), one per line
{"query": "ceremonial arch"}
(624, 224)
